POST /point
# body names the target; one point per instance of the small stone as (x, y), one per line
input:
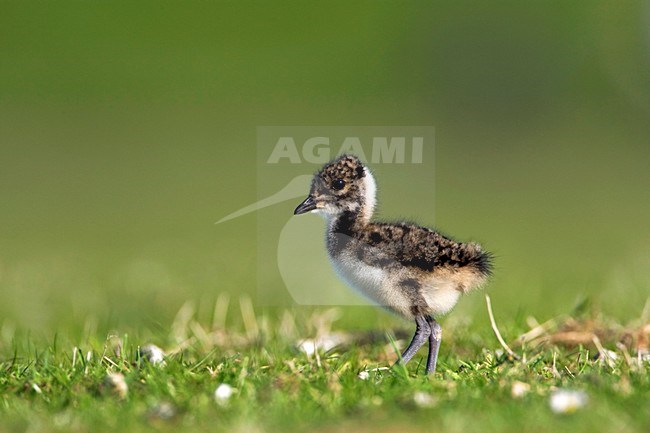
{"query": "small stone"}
(422, 399)
(163, 410)
(519, 389)
(308, 347)
(364, 375)
(152, 353)
(566, 401)
(116, 383)
(223, 393)
(323, 343)
(607, 357)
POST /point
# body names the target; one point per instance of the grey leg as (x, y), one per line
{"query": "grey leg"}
(422, 332)
(434, 343)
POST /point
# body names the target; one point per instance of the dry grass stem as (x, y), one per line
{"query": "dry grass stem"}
(496, 329)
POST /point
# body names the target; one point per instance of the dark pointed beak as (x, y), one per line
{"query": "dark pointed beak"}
(308, 205)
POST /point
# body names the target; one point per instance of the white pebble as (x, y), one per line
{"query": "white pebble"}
(566, 401)
(363, 375)
(153, 354)
(323, 343)
(328, 342)
(308, 347)
(117, 384)
(519, 389)
(422, 399)
(607, 357)
(223, 393)
(163, 410)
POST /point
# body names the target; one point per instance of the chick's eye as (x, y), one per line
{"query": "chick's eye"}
(338, 184)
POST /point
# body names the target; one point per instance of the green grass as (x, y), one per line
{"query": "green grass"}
(128, 128)
(59, 386)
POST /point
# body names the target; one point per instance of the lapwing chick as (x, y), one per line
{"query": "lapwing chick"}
(410, 270)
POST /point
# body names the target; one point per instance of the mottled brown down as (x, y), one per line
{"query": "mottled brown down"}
(413, 271)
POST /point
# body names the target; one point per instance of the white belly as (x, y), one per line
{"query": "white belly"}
(441, 296)
(370, 281)
(365, 279)
(380, 286)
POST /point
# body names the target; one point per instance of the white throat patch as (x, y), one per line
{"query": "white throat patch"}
(371, 194)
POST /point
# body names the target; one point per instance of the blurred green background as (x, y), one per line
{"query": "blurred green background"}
(128, 128)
